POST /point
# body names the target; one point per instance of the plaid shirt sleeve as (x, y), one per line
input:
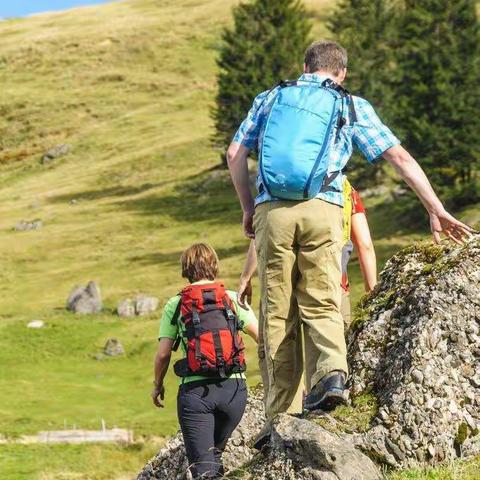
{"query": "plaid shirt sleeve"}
(249, 131)
(370, 135)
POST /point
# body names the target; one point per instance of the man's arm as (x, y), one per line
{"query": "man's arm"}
(237, 158)
(162, 361)
(245, 288)
(411, 172)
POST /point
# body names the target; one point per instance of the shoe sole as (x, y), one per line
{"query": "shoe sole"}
(328, 402)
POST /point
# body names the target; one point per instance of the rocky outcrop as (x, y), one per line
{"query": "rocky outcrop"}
(85, 300)
(416, 344)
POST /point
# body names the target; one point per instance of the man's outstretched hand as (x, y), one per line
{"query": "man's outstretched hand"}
(445, 223)
(248, 224)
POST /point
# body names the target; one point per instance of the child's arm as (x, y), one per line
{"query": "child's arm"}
(245, 288)
(362, 241)
(162, 361)
(252, 330)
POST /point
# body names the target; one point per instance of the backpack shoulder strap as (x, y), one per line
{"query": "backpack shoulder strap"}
(344, 94)
(176, 315)
(351, 109)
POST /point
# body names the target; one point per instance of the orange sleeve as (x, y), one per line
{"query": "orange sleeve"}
(357, 204)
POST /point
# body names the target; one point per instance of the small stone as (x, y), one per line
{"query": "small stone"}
(55, 152)
(417, 376)
(453, 408)
(126, 308)
(27, 226)
(113, 348)
(36, 324)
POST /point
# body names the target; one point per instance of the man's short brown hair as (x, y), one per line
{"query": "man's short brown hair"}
(199, 262)
(327, 56)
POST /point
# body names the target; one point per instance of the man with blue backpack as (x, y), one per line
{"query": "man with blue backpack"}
(305, 131)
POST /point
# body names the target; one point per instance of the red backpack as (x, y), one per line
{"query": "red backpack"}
(212, 332)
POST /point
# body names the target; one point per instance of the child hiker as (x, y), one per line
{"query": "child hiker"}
(206, 321)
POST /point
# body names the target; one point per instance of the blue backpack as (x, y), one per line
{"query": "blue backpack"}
(295, 154)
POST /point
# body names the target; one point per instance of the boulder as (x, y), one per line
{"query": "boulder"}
(145, 305)
(126, 308)
(416, 344)
(85, 300)
(141, 305)
(26, 226)
(113, 348)
(317, 453)
(55, 152)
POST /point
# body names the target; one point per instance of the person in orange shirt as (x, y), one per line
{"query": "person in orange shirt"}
(356, 234)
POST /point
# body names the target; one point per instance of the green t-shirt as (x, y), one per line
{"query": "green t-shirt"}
(167, 330)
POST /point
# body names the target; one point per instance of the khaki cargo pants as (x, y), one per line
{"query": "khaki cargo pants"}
(299, 251)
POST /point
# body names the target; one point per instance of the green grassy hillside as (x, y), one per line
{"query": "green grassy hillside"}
(129, 86)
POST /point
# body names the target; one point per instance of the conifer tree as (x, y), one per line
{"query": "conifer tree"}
(438, 93)
(366, 28)
(265, 45)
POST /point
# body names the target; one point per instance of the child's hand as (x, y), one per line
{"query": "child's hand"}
(158, 391)
(245, 292)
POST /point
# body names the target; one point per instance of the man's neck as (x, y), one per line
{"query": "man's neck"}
(322, 73)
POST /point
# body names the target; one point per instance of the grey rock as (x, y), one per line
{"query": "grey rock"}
(113, 348)
(85, 300)
(55, 152)
(141, 305)
(145, 305)
(417, 376)
(126, 308)
(310, 446)
(28, 225)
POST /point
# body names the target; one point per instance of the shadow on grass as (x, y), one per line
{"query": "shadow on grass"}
(173, 258)
(205, 197)
(118, 191)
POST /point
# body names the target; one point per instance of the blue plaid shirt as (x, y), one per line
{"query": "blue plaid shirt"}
(368, 134)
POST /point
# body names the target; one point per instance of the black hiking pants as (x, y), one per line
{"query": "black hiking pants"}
(208, 414)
